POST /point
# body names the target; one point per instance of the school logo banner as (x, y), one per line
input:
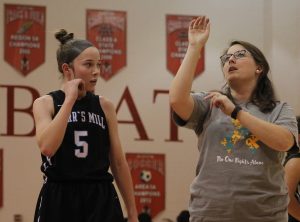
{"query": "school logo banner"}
(177, 43)
(148, 175)
(24, 36)
(107, 31)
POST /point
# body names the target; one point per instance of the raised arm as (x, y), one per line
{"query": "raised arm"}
(179, 94)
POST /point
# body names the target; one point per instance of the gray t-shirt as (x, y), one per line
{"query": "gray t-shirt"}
(238, 178)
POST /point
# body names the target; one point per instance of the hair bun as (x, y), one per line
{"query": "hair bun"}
(63, 36)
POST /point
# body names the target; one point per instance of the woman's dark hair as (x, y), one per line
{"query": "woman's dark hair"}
(263, 95)
(69, 47)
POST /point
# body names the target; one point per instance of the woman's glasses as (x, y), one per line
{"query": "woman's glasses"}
(237, 55)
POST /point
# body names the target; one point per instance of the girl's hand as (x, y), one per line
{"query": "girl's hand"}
(74, 89)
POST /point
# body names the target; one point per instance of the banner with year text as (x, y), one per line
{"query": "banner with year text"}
(24, 36)
(148, 175)
(107, 31)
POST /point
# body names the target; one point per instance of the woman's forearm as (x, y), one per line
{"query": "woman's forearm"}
(182, 83)
(274, 136)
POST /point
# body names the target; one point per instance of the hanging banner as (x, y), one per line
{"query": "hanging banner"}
(24, 36)
(148, 175)
(107, 31)
(177, 43)
(1, 177)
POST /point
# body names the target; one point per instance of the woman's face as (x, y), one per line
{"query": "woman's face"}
(87, 66)
(239, 66)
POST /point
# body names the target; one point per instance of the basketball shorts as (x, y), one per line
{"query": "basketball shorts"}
(78, 202)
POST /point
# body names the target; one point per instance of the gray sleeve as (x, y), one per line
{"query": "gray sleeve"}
(284, 116)
(198, 116)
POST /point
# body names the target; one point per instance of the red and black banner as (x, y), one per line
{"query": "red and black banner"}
(148, 175)
(107, 31)
(177, 43)
(24, 36)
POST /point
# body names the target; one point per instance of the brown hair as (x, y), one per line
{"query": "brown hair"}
(69, 47)
(263, 95)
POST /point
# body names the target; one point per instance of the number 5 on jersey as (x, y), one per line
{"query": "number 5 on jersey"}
(82, 150)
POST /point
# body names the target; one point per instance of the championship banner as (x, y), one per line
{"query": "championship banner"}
(24, 36)
(107, 31)
(148, 175)
(1, 177)
(177, 43)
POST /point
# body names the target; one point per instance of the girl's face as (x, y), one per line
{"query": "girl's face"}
(239, 66)
(87, 66)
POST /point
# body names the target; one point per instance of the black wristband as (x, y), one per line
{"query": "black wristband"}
(235, 112)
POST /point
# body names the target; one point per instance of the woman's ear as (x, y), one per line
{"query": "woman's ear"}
(259, 70)
(67, 71)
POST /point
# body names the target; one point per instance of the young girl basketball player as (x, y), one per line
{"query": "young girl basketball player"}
(77, 134)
